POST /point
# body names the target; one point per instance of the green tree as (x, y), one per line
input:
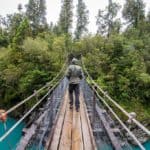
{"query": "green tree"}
(112, 13)
(82, 19)
(66, 16)
(3, 38)
(148, 16)
(133, 12)
(42, 12)
(20, 8)
(101, 22)
(21, 33)
(36, 12)
(106, 19)
(11, 23)
(3, 35)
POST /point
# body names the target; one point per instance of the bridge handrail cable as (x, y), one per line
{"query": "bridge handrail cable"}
(25, 115)
(37, 92)
(120, 121)
(115, 103)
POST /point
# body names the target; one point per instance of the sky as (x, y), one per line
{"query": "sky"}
(53, 9)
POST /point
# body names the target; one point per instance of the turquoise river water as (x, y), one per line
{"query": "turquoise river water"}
(11, 141)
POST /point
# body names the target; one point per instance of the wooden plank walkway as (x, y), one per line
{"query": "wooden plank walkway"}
(72, 130)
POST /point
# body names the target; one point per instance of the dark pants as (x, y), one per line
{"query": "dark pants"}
(74, 88)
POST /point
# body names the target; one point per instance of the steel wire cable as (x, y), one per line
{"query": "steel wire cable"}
(115, 103)
(115, 115)
(37, 92)
(25, 115)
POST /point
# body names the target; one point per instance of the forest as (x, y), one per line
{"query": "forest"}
(32, 51)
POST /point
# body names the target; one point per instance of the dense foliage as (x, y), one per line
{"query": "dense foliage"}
(28, 68)
(32, 52)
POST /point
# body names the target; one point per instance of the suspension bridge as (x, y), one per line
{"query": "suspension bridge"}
(56, 127)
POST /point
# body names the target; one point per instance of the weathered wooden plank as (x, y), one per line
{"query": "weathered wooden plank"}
(109, 131)
(89, 142)
(29, 133)
(58, 127)
(77, 142)
(65, 141)
(73, 130)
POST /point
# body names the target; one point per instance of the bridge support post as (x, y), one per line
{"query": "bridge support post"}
(36, 96)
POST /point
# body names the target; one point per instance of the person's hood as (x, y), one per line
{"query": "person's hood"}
(74, 61)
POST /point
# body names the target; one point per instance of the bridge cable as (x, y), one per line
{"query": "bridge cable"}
(38, 91)
(120, 121)
(20, 120)
(28, 98)
(116, 104)
(123, 125)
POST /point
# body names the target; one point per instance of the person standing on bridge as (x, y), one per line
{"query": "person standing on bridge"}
(74, 75)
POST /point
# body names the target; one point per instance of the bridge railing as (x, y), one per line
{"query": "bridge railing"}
(105, 95)
(37, 92)
(50, 86)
